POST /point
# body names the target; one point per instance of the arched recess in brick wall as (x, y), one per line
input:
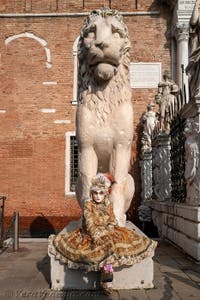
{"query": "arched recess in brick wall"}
(24, 69)
(30, 35)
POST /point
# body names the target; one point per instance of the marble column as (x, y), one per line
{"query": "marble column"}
(182, 37)
(181, 18)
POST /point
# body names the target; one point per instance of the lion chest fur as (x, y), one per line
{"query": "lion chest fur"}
(116, 128)
(105, 137)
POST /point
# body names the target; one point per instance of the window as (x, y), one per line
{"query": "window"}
(74, 162)
(71, 163)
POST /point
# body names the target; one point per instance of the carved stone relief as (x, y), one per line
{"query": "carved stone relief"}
(192, 156)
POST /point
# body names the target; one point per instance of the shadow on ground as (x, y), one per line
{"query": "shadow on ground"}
(43, 267)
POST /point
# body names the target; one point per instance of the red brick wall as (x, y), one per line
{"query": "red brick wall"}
(32, 146)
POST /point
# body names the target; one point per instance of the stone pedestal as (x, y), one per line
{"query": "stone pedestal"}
(161, 167)
(138, 276)
(146, 175)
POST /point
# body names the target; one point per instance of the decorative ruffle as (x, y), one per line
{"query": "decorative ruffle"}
(112, 259)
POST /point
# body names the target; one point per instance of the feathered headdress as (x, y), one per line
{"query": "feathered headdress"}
(102, 181)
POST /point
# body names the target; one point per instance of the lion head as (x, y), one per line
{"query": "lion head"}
(103, 42)
(103, 60)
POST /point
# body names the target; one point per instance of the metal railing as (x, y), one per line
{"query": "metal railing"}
(8, 238)
(2, 199)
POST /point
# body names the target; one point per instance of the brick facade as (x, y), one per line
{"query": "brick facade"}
(36, 89)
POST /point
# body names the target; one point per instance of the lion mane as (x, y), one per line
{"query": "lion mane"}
(103, 98)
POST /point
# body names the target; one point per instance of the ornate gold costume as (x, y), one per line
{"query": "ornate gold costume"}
(100, 241)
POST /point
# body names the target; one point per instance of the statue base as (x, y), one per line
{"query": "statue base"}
(137, 276)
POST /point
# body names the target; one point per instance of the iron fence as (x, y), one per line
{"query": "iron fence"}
(178, 160)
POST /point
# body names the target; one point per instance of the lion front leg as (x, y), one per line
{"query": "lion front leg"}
(123, 190)
(87, 169)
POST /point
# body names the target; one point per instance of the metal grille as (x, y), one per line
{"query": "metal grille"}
(178, 160)
(73, 162)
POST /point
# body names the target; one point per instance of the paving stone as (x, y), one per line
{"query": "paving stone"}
(168, 264)
(47, 294)
(163, 289)
(132, 295)
(6, 294)
(38, 282)
(184, 286)
(174, 251)
(159, 251)
(187, 263)
(23, 293)
(98, 295)
(81, 295)
(162, 294)
(193, 275)
(9, 284)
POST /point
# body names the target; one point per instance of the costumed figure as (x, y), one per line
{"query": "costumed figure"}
(193, 68)
(100, 244)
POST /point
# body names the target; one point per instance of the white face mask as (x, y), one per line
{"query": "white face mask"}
(98, 195)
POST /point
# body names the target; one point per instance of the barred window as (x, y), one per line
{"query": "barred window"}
(74, 162)
(71, 163)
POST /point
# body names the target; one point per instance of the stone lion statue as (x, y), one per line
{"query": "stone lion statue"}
(104, 113)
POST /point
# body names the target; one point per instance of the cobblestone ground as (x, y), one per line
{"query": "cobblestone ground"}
(25, 275)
